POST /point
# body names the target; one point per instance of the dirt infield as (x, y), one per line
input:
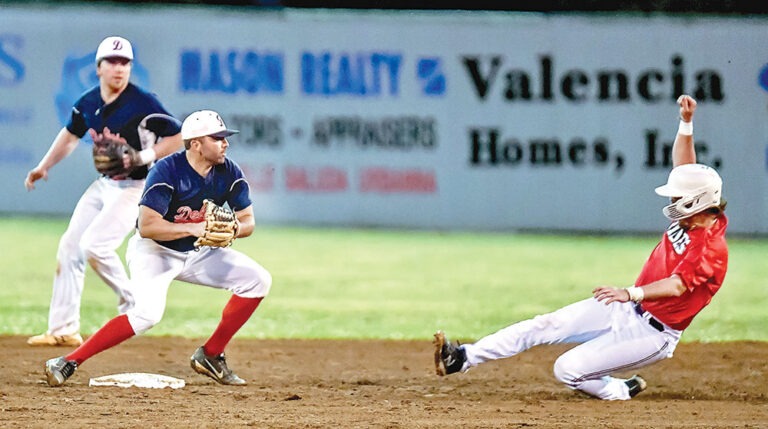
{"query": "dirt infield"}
(387, 384)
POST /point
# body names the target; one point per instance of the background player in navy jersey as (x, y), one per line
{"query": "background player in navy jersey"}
(107, 211)
(170, 220)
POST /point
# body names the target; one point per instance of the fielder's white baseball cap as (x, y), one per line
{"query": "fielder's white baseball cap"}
(114, 46)
(204, 123)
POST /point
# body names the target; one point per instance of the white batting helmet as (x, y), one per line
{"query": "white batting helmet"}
(693, 187)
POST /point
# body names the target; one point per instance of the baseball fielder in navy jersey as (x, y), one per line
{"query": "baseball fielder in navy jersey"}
(107, 211)
(623, 329)
(162, 250)
(177, 191)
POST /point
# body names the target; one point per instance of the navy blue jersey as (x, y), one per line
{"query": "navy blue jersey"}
(123, 115)
(176, 191)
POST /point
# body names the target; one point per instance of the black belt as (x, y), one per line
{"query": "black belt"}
(651, 320)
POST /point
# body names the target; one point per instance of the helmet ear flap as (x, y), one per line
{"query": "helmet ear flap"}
(688, 206)
(684, 207)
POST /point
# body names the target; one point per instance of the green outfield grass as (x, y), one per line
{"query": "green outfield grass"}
(337, 283)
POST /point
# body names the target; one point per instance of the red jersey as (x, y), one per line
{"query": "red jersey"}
(700, 258)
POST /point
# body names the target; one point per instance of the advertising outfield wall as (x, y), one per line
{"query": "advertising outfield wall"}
(448, 120)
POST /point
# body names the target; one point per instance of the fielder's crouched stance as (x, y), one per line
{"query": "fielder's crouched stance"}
(622, 329)
(184, 233)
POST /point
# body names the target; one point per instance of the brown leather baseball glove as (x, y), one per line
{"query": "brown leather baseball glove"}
(112, 155)
(220, 226)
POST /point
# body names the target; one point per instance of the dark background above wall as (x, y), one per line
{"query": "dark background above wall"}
(727, 7)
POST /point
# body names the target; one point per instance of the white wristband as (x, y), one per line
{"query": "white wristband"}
(685, 128)
(636, 294)
(147, 155)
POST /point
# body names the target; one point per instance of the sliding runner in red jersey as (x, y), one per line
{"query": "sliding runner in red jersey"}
(623, 329)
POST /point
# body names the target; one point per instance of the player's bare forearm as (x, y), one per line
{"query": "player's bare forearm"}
(64, 143)
(152, 225)
(246, 221)
(683, 151)
(671, 286)
(168, 145)
(664, 288)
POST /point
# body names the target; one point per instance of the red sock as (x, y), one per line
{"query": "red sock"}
(237, 311)
(111, 334)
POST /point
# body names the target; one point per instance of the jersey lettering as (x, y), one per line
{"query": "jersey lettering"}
(186, 215)
(678, 237)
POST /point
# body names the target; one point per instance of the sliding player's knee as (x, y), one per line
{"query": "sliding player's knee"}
(565, 372)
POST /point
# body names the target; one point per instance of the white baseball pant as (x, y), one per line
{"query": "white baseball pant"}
(614, 338)
(105, 214)
(153, 267)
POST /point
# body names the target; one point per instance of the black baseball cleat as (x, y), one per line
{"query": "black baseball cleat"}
(449, 358)
(214, 367)
(58, 370)
(636, 385)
